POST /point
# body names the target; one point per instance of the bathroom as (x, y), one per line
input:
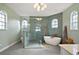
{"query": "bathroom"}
(38, 27)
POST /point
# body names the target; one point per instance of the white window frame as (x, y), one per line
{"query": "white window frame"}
(54, 23)
(74, 20)
(38, 28)
(3, 20)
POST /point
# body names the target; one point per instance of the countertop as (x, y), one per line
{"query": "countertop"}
(71, 48)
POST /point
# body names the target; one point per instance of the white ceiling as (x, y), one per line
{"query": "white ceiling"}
(26, 9)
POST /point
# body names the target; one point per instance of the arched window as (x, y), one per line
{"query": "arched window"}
(54, 23)
(3, 20)
(74, 20)
(24, 24)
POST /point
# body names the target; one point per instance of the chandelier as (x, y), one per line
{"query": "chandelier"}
(40, 6)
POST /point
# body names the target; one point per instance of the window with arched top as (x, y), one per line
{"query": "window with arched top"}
(24, 24)
(3, 20)
(54, 23)
(74, 20)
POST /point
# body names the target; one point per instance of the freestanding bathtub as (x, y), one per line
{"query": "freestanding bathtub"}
(52, 40)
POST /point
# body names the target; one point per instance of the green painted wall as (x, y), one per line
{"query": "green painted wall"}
(66, 21)
(55, 30)
(11, 34)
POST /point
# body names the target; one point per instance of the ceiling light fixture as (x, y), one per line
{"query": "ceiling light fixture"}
(40, 6)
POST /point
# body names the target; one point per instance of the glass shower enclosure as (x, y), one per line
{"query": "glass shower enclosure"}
(31, 30)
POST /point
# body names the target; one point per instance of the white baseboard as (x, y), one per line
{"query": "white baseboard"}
(9, 46)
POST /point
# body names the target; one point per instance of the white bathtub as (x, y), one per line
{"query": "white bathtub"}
(52, 40)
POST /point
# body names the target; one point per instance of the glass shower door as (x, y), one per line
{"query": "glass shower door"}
(32, 34)
(35, 34)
